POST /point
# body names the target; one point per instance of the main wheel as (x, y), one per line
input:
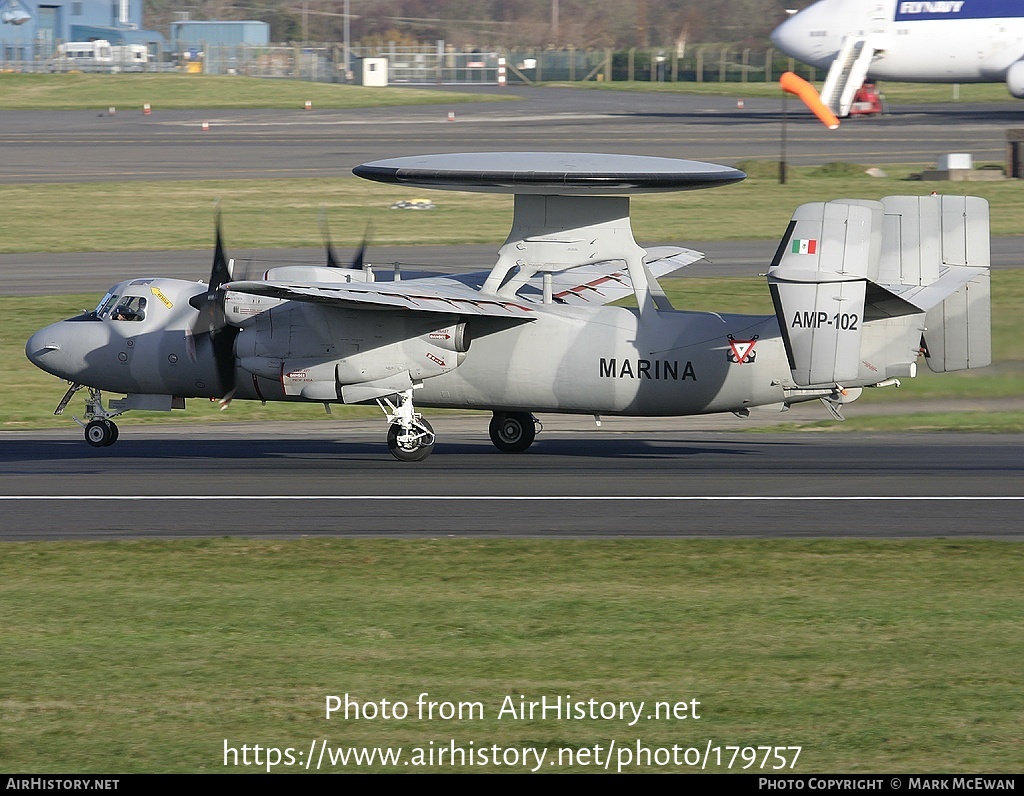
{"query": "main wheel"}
(415, 451)
(512, 432)
(101, 433)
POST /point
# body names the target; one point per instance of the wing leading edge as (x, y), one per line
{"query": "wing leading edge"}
(590, 285)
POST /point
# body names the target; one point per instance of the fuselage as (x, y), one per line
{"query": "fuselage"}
(601, 360)
(941, 41)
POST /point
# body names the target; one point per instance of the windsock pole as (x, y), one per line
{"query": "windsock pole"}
(791, 83)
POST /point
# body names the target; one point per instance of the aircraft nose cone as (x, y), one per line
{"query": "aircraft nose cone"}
(43, 347)
(787, 36)
(61, 348)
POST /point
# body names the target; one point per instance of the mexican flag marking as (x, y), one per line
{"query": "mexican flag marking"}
(805, 246)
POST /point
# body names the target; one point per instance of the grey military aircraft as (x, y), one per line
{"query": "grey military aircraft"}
(861, 289)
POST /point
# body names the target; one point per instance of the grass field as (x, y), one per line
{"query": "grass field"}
(188, 92)
(283, 213)
(871, 656)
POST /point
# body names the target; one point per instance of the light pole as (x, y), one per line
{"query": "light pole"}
(348, 43)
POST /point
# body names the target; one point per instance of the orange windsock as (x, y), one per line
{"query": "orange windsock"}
(795, 84)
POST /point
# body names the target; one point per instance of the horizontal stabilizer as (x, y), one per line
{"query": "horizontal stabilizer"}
(895, 300)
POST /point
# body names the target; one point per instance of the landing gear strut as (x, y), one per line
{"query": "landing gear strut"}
(513, 432)
(410, 437)
(100, 429)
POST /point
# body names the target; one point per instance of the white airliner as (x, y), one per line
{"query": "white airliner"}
(921, 41)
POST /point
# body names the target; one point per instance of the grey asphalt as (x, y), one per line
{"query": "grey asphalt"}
(630, 478)
(73, 146)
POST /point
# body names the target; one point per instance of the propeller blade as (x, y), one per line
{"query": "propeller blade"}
(212, 323)
(332, 259)
(223, 342)
(358, 260)
(220, 273)
(325, 232)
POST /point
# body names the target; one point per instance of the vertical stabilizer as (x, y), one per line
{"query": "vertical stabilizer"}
(818, 283)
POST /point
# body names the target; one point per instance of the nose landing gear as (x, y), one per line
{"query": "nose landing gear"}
(100, 429)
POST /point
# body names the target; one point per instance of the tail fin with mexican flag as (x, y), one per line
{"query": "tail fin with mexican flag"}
(863, 288)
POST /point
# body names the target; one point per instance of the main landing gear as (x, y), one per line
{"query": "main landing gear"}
(410, 437)
(513, 432)
(100, 429)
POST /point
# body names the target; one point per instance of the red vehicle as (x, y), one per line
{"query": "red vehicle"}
(867, 101)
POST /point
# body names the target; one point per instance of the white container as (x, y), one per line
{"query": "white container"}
(956, 161)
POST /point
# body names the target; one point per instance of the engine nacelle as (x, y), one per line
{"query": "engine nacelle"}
(314, 351)
(456, 338)
(1015, 79)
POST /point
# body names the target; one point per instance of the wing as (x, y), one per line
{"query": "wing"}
(443, 296)
(589, 285)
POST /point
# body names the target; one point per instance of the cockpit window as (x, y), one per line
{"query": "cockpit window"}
(106, 305)
(129, 308)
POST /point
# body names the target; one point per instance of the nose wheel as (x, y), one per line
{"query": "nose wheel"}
(101, 433)
(513, 432)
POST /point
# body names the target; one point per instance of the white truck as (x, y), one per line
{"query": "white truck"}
(101, 56)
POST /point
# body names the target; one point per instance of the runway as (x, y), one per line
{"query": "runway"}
(682, 477)
(84, 146)
(631, 478)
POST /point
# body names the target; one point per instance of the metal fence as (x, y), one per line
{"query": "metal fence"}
(440, 64)
(319, 64)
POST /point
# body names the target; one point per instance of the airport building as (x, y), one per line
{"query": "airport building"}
(31, 30)
(193, 34)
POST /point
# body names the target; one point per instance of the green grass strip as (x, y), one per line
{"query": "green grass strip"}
(884, 656)
(188, 92)
(283, 213)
